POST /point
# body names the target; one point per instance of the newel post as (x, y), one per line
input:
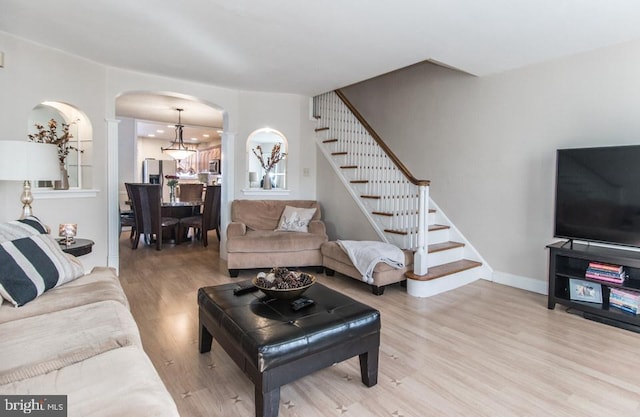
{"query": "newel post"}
(420, 256)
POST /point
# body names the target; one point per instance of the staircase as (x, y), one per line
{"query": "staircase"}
(396, 204)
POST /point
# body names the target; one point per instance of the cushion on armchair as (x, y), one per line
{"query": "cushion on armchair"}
(295, 219)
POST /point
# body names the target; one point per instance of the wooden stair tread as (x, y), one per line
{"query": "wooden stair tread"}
(444, 270)
(349, 166)
(339, 153)
(375, 197)
(329, 140)
(320, 129)
(359, 181)
(396, 232)
(439, 247)
(432, 228)
(391, 214)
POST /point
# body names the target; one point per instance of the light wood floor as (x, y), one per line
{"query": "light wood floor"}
(481, 350)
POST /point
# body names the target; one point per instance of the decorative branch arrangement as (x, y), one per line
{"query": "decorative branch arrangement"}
(270, 161)
(51, 136)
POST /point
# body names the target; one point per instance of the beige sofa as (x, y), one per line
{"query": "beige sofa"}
(253, 242)
(80, 340)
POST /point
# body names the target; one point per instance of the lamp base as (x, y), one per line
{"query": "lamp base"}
(26, 198)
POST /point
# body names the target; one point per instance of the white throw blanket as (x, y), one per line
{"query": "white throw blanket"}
(365, 255)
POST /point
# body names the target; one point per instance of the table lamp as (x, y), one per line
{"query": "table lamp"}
(26, 161)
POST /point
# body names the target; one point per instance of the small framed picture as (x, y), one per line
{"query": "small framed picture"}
(585, 291)
(214, 166)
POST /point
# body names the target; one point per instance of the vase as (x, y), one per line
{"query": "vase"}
(63, 183)
(266, 181)
(172, 194)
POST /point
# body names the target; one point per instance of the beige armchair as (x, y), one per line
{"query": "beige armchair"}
(253, 241)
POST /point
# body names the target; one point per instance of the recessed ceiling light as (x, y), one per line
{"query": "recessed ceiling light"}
(170, 126)
(194, 139)
(159, 131)
(206, 135)
(151, 135)
(219, 130)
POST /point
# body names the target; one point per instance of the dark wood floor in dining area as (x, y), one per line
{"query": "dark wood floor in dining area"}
(481, 350)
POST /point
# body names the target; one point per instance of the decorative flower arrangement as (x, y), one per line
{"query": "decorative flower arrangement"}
(51, 136)
(270, 161)
(172, 180)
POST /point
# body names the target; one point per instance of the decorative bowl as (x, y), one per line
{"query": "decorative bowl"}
(284, 294)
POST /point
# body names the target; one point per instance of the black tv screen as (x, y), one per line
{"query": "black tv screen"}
(598, 194)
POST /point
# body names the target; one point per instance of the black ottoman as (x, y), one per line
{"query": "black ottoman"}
(275, 345)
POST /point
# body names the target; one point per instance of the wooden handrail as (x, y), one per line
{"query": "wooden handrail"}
(380, 142)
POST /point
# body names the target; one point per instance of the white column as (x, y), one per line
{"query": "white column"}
(420, 258)
(113, 202)
(228, 187)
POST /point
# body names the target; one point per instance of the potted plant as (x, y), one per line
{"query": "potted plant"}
(50, 134)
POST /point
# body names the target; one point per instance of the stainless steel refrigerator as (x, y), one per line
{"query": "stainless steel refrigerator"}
(155, 170)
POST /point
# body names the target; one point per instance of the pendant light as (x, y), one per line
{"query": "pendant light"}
(178, 150)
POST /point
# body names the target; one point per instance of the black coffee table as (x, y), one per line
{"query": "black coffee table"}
(275, 345)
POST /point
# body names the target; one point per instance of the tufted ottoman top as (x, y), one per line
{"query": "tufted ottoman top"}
(269, 333)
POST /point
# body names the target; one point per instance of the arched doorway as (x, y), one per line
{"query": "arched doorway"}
(146, 123)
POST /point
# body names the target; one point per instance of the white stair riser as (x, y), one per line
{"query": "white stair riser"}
(445, 256)
(437, 286)
(438, 236)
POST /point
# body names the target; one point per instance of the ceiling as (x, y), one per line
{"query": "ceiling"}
(306, 47)
(157, 116)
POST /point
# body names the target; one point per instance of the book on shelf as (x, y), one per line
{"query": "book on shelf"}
(606, 267)
(624, 308)
(605, 278)
(625, 300)
(605, 272)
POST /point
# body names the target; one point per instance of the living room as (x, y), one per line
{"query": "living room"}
(487, 143)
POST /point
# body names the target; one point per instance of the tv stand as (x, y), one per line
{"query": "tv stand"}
(570, 242)
(569, 261)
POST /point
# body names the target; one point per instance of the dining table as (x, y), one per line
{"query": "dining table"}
(180, 209)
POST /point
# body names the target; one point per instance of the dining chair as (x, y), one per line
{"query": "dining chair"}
(146, 201)
(210, 217)
(190, 192)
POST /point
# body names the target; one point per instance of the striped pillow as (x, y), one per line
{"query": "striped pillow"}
(17, 229)
(29, 266)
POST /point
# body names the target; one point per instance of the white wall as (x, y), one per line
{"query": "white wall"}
(288, 114)
(488, 144)
(34, 73)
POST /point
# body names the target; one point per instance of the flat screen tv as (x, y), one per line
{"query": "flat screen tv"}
(598, 195)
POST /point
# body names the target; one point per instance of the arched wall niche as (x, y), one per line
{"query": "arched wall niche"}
(261, 143)
(78, 162)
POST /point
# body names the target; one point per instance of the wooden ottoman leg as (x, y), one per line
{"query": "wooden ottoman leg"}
(267, 403)
(369, 367)
(205, 339)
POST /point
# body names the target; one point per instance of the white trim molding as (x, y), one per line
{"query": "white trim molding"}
(524, 283)
(47, 194)
(264, 193)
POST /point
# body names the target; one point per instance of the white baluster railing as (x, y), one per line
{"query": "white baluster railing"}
(400, 193)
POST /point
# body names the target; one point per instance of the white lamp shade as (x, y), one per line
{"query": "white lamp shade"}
(22, 160)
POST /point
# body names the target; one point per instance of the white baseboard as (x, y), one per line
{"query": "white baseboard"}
(517, 281)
